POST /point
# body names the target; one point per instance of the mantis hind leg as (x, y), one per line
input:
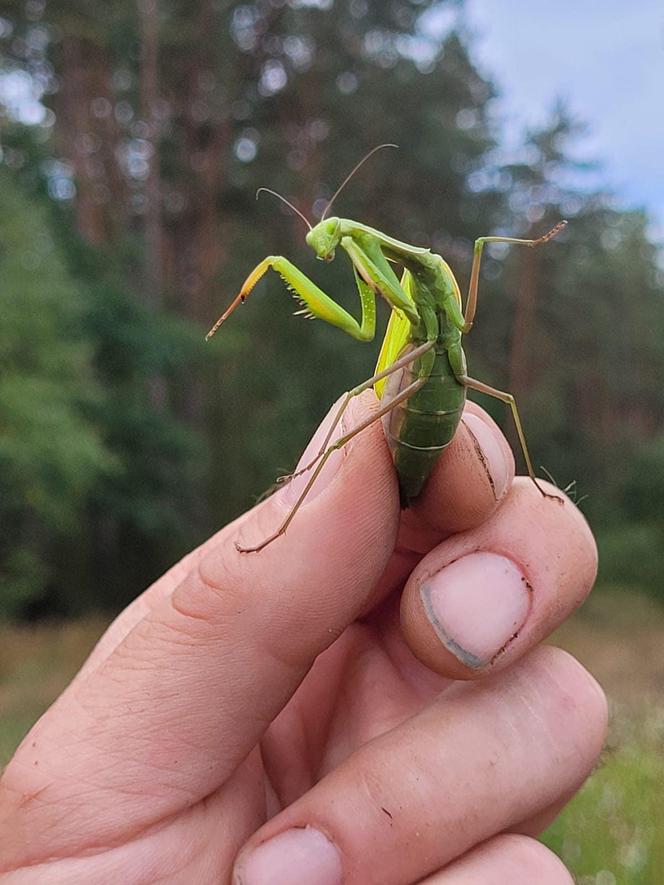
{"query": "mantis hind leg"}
(338, 444)
(356, 391)
(508, 398)
(471, 302)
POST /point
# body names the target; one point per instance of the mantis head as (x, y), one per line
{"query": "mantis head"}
(324, 238)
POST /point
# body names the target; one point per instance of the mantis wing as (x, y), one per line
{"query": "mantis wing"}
(396, 336)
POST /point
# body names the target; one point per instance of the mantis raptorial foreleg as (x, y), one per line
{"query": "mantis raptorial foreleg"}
(471, 303)
(356, 391)
(338, 444)
(315, 301)
(508, 398)
(369, 279)
(378, 275)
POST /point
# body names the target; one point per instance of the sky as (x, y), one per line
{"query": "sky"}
(606, 59)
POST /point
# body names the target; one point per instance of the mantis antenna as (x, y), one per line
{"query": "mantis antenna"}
(343, 184)
(283, 200)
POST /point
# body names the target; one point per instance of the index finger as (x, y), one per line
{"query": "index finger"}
(468, 482)
(169, 713)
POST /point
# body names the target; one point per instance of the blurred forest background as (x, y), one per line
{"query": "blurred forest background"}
(134, 135)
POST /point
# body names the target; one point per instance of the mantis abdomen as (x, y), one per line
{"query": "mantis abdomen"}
(419, 428)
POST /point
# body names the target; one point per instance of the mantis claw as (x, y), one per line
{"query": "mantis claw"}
(287, 477)
(241, 549)
(558, 498)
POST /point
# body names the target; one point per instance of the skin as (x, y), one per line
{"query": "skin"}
(244, 697)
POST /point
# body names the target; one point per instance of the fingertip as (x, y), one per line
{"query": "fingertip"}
(491, 449)
(343, 532)
(578, 691)
(482, 599)
(355, 491)
(459, 619)
(471, 478)
(507, 857)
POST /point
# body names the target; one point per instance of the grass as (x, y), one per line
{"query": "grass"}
(36, 663)
(610, 834)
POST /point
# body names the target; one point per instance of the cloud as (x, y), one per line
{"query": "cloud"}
(605, 58)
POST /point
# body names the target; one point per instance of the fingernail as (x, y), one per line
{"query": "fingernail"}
(295, 857)
(477, 605)
(491, 452)
(297, 485)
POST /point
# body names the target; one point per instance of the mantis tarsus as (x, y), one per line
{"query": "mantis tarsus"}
(421, 375)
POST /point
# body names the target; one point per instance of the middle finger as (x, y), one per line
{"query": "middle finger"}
(478, 760)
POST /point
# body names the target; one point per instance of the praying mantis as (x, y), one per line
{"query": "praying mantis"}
(421, 377)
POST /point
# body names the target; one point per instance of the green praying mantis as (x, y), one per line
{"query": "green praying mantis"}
(421, 377)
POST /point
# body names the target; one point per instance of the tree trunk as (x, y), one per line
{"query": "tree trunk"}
(149, 98)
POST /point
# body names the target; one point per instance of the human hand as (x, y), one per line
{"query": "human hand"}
(276, 701)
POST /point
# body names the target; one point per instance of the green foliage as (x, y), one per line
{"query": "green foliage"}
(643, 491)
(145, 512)
(51, 452)
(632, 545)
(95, 472)
(631, 555)
(151, 174)
(611, 831)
